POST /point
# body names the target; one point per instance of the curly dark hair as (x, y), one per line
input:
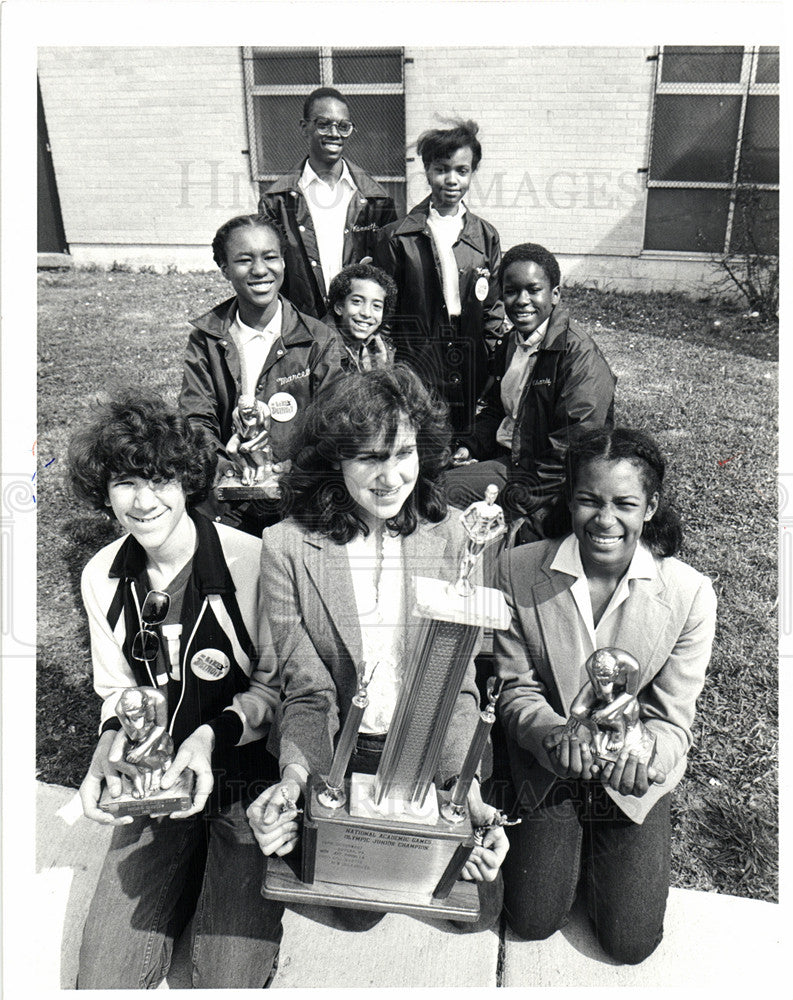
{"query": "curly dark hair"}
(536, 253)
(341, 285)
(663, 533)
(438, 143)
(342, 421)
(136, 433)
(220, 242)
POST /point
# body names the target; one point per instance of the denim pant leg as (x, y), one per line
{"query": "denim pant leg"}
(144, 897)
(236, 931)
(542, 866)
(627, 876)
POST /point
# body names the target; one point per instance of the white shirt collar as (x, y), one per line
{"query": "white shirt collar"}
(568, 560)
(533, 339)
(310, 176)
(436, 216)
(273, 328)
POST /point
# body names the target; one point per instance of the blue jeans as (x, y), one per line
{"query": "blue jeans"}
(155, 873)
(626, 865)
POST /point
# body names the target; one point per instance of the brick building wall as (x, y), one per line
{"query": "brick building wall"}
(147, 147)
(564, 133)
(148, 144)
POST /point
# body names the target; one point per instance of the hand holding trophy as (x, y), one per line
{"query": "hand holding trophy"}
(142, 751)
(604, 734)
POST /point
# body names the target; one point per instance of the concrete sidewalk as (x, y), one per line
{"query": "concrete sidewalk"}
(711, 941)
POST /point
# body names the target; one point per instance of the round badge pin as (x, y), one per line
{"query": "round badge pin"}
(283, 406)
(210, 664)
(481, 288)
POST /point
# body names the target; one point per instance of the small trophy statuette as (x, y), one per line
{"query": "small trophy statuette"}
(483, 521)
(608, 709)
(249, 445)
(142, 751)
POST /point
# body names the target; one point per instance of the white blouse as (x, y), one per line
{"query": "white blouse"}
(379, 586)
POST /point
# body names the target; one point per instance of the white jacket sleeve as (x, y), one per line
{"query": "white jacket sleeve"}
(112, 673)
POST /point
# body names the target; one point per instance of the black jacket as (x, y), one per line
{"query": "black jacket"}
(452, 360)
(570, 389)
(370, 208)
(307, 356)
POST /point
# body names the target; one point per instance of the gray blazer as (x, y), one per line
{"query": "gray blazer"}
(668, 625)
(308, 596)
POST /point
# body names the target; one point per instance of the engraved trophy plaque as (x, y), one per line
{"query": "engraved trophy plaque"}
(142, 751)
(392, 841)
(605, 712)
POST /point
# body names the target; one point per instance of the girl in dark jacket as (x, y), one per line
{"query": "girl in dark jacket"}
(254, 343)
(445, 260)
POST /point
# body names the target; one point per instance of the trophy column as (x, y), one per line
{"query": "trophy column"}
(389, 841)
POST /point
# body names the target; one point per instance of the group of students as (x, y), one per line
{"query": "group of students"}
(398, 391)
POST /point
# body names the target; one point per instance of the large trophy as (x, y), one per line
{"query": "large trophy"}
(392, 841)
(605, 712)
(142, 751)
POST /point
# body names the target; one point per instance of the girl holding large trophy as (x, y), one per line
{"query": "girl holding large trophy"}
(367, 515)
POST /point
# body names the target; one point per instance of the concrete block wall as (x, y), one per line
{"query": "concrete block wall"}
(147, 147)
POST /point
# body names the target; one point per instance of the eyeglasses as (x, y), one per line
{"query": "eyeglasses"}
(146, 644)
(324, 126)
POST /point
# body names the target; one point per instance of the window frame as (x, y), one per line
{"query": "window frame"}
(745, 88)
(325, 53)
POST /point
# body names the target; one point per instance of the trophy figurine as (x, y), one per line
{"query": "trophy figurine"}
(249, 446)
(142, 751)
(392, 841)
(483, 521)
(607, 709)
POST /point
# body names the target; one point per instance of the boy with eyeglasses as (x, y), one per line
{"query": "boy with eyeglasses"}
(173, 605)
(330, 209)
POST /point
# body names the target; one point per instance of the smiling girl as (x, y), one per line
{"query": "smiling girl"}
(367, 515)
(256, 344)
(445, 260)
(608, 579)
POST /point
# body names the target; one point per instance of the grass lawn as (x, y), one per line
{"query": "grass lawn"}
(707, 394)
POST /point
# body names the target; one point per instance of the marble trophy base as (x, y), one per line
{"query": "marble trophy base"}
(231, 488)
(378, 857)
(179, 798)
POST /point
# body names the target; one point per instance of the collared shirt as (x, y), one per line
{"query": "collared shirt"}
(254, 346)
(515, 377)
(328, 208)
(445, 230)
(379, 598)
(568, 560)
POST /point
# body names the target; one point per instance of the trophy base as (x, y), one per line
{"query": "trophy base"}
(638, 742)
(282, 883)
(176, 799)
(378, 861)
(485, 607)
(232, 488)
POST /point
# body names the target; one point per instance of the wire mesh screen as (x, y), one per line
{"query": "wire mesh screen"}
(277, 81)
(713, 177)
